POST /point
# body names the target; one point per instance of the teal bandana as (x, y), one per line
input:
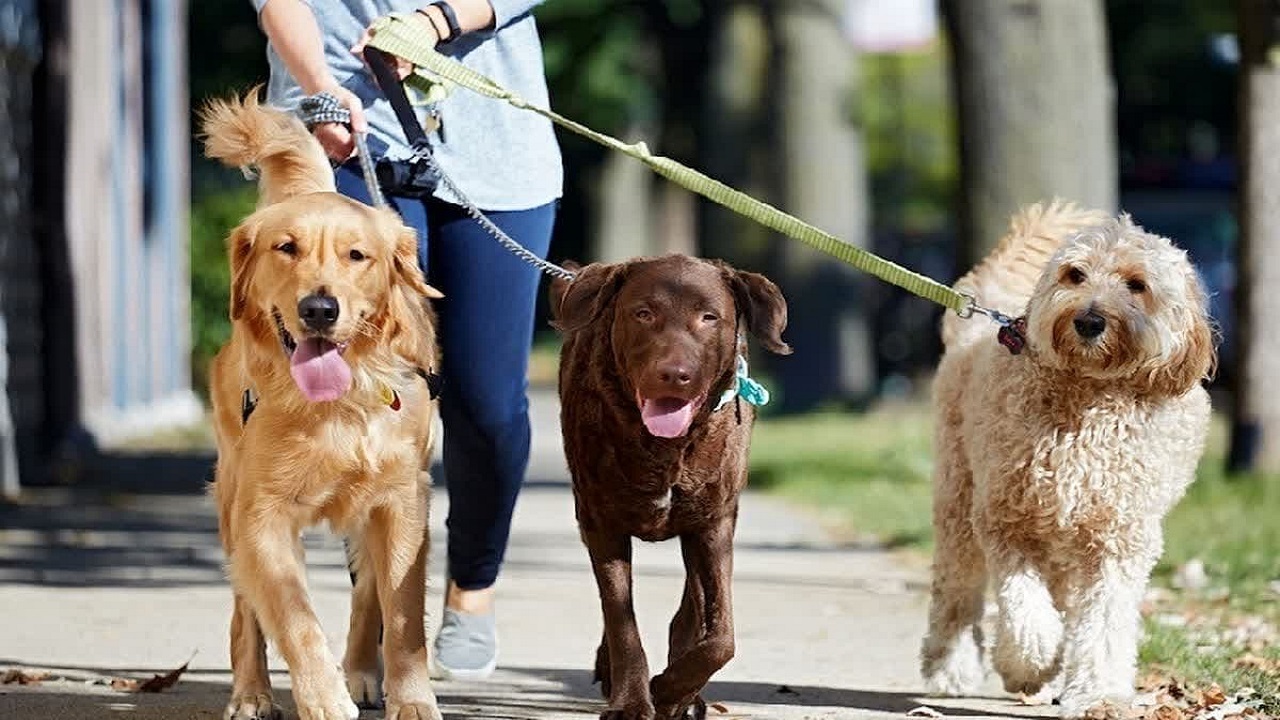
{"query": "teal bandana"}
(744, 387)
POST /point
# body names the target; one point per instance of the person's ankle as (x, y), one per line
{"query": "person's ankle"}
(472, 602)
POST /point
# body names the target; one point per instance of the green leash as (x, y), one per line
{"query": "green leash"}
(410, 39)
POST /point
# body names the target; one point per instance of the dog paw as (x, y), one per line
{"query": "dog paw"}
(332, 705)
(414, 711)
(365, 688)
(1108, 708)
(695, 709)
(252, 706)
(958, 675)
(633, 711)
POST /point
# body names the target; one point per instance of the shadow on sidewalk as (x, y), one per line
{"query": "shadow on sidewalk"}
(526, 694)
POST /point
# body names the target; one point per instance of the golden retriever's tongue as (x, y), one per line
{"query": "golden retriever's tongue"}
(666, 417)
(319, 370)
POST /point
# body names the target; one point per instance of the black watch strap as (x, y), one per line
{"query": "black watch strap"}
(451, 19)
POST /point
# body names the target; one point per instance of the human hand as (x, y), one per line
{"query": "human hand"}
(337, 139)
(404, 68)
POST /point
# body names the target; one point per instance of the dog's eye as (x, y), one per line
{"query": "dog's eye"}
(356, 255)
(644, 315)
(710, 317)
(1135, 286)
(288, 247)
(1076, 276)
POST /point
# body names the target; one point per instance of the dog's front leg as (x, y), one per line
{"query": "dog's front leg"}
(1101, 649)
(708, 559)
(251, 683)
(266, 568)
(364, 638)
(396, 545)
(628, 668)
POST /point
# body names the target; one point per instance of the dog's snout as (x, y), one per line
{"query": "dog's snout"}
(1090, 324)
(676, 374)
(318, 312)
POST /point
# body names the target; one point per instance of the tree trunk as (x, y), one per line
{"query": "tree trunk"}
(1255, 436)
(824, 183)
(1036, 110)
(624, 226)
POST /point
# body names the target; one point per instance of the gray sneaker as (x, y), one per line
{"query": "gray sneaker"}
(466, 647)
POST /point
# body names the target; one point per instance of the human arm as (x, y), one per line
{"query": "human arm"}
(294, 33)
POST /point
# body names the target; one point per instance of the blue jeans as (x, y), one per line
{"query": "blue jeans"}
(485, 331)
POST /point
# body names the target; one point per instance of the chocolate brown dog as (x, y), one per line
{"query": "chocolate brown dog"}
(656, 438)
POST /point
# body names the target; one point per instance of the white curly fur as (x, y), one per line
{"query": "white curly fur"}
(1057, 466)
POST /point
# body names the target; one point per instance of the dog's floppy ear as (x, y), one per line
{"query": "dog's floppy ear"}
(240, 255)
(404, 263)
(762, 304)
(575, 303)
(1194, 360)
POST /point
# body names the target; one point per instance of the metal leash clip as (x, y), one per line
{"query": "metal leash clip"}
(1013, 330)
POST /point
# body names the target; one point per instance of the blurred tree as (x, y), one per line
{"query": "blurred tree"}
(1255, 441)
(1036, 109)
(823, 181)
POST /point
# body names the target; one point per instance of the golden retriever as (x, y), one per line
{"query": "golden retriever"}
(323, 413)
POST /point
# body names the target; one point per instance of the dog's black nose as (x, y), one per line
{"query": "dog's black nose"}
(318, 312)
(675, 373)
(1090, 324)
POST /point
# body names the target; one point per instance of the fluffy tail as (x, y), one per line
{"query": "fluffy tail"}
(1005, 279)
(245, 134)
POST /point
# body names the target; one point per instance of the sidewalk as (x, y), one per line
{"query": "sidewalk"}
(131, 585)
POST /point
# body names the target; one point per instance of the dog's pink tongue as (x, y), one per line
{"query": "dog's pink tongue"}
(666, 417)
(319, 370)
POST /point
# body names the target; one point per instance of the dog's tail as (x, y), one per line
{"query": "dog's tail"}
(245, 134)
(1005, 279)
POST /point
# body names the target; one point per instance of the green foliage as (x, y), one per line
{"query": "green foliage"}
(594, 66)
(904, 108)
(212, 218)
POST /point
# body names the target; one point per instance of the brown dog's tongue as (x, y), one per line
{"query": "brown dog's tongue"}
(667, 417)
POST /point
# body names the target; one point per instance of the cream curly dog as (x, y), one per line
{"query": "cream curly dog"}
(1056, 465)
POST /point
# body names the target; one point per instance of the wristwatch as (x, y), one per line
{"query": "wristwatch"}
(450, 19)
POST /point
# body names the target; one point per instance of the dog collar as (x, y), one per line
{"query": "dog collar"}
(388, 394)
(1013, 335)
(744, 387)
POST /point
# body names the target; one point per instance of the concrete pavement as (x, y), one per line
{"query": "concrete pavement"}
(95, 585)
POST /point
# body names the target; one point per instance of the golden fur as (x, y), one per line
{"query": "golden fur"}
(354, 463)
(1056, 467)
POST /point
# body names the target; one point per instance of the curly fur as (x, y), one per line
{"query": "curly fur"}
(1056, 466)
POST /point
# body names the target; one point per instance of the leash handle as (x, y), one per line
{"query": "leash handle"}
(384, 73)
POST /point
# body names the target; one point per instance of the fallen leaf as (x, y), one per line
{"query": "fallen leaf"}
(924, 711)
(1166, 712)
(720, 708)
(124, 684)
(22, 677)
(155, 684)
(1212, 696)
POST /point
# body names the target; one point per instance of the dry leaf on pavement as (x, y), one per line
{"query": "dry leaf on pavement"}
(22, 677)
(155, 684)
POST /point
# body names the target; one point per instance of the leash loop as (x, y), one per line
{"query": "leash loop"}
(325, 107)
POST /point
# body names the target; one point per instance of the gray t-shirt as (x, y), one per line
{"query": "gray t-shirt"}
(501, 157)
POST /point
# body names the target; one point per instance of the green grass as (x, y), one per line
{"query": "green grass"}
(869, 475)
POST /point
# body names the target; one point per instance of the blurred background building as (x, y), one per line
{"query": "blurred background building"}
(95, 277)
